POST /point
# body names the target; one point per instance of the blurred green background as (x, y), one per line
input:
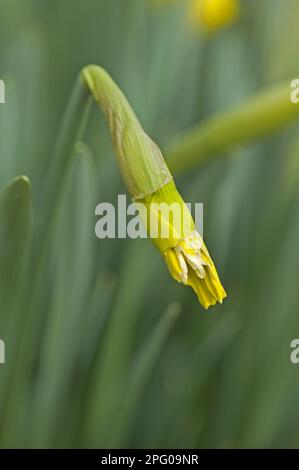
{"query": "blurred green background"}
(103, 348)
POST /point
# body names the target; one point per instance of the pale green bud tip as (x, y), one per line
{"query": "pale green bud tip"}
(141, 163)
(18, 188)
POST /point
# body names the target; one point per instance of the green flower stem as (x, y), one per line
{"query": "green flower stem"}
(71, 131)
(258, 117)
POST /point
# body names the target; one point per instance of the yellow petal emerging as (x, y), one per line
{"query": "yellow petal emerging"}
(183, 249)
(190, 263)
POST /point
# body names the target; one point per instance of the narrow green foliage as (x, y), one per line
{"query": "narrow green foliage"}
(15, 222)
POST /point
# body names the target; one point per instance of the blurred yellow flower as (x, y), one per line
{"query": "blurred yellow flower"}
(213, 15)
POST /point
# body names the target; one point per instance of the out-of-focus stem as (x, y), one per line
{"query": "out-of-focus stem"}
(258, 117)
(71, 131)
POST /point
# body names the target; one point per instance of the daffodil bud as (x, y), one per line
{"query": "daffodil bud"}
(147, 177)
